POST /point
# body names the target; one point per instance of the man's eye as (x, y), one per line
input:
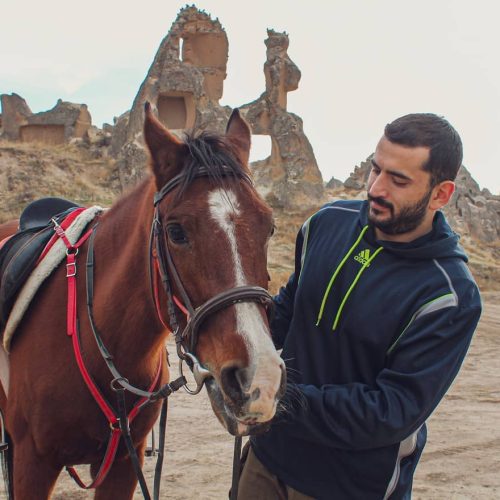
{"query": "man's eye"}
(399, 182)
(176, 234)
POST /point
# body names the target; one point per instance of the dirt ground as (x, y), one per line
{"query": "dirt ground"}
(461, 460)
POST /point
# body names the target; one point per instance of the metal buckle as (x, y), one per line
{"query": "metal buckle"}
(71, 270)
(115, 426)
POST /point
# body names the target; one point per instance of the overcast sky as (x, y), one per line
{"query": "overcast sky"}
(363, 64)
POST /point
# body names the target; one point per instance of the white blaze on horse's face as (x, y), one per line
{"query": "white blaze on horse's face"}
(263, 375)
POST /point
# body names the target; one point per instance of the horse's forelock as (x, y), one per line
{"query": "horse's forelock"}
(213, 152)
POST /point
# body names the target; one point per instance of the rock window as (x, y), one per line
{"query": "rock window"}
(176, 110)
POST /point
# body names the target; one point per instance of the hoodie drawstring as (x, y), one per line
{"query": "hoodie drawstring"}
(353, 284)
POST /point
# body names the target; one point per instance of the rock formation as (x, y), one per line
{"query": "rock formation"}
(289, 177)
(358, 178)
(62, 123)
(474, 212)
(185, 83)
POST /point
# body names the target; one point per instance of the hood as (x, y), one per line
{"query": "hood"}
(441, 242)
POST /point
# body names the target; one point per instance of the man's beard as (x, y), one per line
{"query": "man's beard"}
(407, 220)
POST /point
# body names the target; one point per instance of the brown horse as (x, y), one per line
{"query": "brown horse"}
(215, 229)
(8, 229)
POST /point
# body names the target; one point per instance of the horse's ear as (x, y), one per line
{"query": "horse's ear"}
(166, 150)
(238, 131)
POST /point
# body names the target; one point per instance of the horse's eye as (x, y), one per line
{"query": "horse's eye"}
(176, 234)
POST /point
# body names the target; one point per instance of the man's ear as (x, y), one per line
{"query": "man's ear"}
(167, 152)
(441, 194)
(238, 131)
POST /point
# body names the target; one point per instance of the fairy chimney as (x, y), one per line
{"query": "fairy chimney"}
(289, 177)
(184, 85)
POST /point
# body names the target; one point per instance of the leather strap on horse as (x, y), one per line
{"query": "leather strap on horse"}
(236, 468)
(220, 301)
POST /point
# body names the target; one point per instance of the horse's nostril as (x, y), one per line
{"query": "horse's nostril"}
(244, 378)
(235, 381)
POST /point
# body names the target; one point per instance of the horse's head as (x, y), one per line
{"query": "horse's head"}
(215, 231)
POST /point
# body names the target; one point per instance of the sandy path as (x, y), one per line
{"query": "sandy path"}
(461, 460)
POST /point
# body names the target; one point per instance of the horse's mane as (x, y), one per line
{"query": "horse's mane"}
(213, 152)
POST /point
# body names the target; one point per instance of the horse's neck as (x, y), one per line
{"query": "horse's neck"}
(124, 307)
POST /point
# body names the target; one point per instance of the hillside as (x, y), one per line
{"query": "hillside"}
(29, 171)
(88, 175)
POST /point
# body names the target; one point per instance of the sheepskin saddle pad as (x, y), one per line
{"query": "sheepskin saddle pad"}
(29, 256)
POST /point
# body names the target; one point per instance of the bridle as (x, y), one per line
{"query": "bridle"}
(187, 338)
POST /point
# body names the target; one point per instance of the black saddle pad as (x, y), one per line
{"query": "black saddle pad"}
(20, 253)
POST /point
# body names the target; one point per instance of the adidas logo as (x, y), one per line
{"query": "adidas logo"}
(363, 256)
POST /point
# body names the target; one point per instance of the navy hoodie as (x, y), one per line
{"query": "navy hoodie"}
(373, 334)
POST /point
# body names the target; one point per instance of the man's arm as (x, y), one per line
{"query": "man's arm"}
(284, 301)
(419, 371)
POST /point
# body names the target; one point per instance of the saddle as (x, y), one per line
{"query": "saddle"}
(20, 254)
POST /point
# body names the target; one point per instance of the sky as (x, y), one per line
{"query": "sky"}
(363, 64)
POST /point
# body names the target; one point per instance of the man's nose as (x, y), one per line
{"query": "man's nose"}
(378, 188)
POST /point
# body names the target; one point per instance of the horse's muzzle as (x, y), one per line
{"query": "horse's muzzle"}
(233, 402)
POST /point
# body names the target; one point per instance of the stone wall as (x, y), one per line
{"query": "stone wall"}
(65, 121)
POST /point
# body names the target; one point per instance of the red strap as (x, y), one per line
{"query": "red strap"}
(99, 399)
(71, 311)
(114, 439)
(178, 303)
(156, 272)
(64, 225)
(109, 458)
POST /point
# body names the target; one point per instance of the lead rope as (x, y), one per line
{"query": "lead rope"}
(161, 448)
(236, 468)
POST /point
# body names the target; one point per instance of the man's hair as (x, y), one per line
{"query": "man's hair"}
(434, 132)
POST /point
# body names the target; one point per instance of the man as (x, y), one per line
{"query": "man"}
(374, 325)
